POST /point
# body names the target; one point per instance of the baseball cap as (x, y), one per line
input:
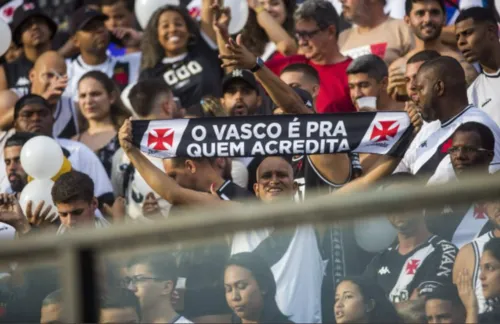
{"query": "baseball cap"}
(23, 13)
(82, 17)
(239, 74)
(304, 95)
(29, 99)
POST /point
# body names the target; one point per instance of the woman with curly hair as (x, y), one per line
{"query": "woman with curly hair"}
(175, 49)
(270, 28)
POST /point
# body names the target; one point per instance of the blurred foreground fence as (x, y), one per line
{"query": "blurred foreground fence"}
(76, 253)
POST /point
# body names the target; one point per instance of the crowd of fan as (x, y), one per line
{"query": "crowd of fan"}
(81, 83)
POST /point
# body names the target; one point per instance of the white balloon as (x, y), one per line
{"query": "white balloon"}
(41, 157)
(37, 191)
(6, 37)
(239, 15)
(374, 234)
(144, 9)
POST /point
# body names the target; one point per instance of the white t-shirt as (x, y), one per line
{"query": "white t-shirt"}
(137, 188)
(428, 153)
(84, 160)
(77, 68)
(298, 274)
(483, 93)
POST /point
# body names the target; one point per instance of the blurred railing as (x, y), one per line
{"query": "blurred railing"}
(76, 253)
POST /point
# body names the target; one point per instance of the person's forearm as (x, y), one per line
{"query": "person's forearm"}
(7, 119)
(384, 167)
(281, 93)
(161, 183)
(284, 42)
(448, 36)
(471, 317)
(221, 44)
(206, 20)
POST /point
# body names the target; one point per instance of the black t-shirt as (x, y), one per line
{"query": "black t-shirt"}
(191, 77)
(231, 191)
(427, 267)
(17, 74)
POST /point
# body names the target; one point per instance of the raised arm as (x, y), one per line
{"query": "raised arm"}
(280, 92)
(206, 21)
(160, 182)
(285, 43)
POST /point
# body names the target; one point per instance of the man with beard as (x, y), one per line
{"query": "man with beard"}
(469, 255)
(373, 32)
(476, 31)
(442, 100)
(419, 262)
(471, 153)
(92, 38)
(12, 157)
(33, 114)
(240, 93)
(426, 18)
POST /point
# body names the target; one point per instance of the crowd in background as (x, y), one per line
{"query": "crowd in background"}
(80, 74)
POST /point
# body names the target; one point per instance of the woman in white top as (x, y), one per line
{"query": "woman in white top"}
(101, 113)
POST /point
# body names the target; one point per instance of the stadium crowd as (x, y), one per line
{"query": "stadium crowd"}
(393, 92)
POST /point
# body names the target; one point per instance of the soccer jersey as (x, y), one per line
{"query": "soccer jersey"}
(123, 70)
(425, 269)
(478, 248)
(17, 73)
(231, 191)
(390, 40)
(483, 93)
(459, 224)
(427, 156)
(192, 75)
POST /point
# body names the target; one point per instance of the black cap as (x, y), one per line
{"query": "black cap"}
(82, 17)
(28, 100)
(304, 95)
(238, 74)
(24, 12)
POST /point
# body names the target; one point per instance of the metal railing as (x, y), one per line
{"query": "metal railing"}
(76, 253)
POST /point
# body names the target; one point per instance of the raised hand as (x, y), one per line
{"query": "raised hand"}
(125, 136)
(12, 214)
(240, 56)
(55, 89)
(415, 116)
(397, 82)
(221, 19)
(42, 218)
(129, 36)
(467, 294)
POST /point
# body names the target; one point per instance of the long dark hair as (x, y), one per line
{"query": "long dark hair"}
(152, 51)
(265, 279)
(383, 311)
(117, 111)
(255, 38)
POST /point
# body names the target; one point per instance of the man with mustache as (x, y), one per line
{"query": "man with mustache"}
(12, 157)
(426, 18)
(476, 31)
(374, 31)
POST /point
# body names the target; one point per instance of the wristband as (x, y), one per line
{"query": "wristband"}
(258, 64)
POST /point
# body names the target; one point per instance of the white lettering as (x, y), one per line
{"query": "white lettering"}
(219, 133)
(312, 127)
(202, 133)
(340, 129)
(344, 145)
(258, 149)
(312, 147)
(183, 73)
(194, 150)
(246, 131)
(256, 133)
(277, 131)
(232, 132)
(294, 129)
(194, 67)
(269, 150)
(325, 128)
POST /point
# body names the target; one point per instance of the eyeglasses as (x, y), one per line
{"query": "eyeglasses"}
(307, 35)
(454, 150)
(134, 280)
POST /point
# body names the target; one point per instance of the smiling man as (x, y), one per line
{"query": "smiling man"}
(477, 38)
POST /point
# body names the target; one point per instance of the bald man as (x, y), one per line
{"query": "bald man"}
(48, 80)
(441, 98)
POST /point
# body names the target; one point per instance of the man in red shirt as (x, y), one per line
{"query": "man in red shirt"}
(316, 27)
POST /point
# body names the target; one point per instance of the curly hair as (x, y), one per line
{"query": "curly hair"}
(152, 51)
(118, 112)
(255, 38)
